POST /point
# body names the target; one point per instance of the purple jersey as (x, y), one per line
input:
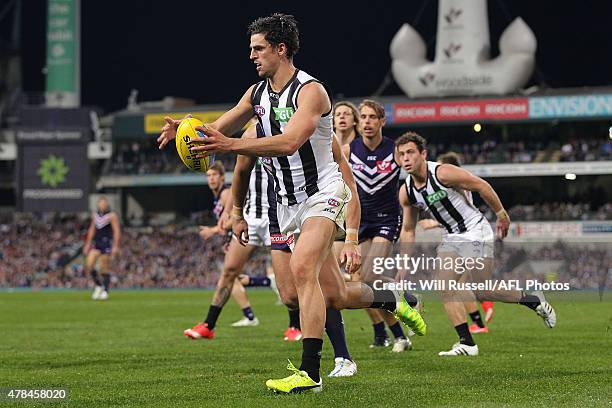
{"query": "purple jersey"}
(377, 178)
(217, 204)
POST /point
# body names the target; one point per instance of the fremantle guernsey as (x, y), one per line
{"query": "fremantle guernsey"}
(217, 204)
(312, 167)
(450, 207)
(377, 178)
(103, 237)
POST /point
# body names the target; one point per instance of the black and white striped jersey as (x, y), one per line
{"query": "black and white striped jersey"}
(312, 167)
(257, 197)
(450, 207)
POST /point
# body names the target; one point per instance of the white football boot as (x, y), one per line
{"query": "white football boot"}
(97, 292)
(344, 368)
(461, 350)
(245, 322)
(547, 313)
(401, 345)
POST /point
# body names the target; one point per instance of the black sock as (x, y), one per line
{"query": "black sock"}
(311, 357)
(397, 331)
(531, 301)
(379, 329)
(95, 277)
(248, 313)
(384, 299)
(259, 281)
(464, 335)
(294, 318)
(213, 315)
(106, 281)
(334, 326)
(476, 318)
(411, 299)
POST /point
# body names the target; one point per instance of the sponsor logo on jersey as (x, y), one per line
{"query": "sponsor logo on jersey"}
(383, 166)
(283, 114)
(437, 196)
(372, 158)
(259, 110)
(329, 210)
(358, 166)
(333, 202)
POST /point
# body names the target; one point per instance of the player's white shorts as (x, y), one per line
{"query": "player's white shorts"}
(259, 231)
(329, 202)
(475, 243)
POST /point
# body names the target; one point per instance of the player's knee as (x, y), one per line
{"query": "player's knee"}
(301, 272)
(231, 270)
(290, 300)
(448, 295)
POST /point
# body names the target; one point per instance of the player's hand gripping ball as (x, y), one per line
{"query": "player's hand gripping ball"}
(185, 135)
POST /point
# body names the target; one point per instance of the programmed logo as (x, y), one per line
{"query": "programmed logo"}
(52, 171)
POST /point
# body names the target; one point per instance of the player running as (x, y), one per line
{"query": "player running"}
(344, 366)
(377, 177)
(104, 231)
(294, 110)
(471, 306)
(438, 188)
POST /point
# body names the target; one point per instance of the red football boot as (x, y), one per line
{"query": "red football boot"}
(200, 331)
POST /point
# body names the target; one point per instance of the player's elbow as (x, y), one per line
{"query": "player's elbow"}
(291, 147)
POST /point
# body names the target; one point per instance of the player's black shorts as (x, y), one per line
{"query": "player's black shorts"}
(103, 245)
(279, 242)
(386, 229)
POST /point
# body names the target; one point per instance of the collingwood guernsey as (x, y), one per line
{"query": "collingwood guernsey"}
(257, 196)
(450, 207)
(312, 167)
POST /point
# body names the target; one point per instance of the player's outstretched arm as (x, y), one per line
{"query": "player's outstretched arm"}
(456, 177)
(229, 123)
(312, 103)
(234, 119)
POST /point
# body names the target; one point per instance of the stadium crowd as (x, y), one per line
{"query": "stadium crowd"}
(41, 252)
(45, 252)
(143, 157)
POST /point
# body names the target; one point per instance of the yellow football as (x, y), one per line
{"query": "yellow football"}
(185, 135)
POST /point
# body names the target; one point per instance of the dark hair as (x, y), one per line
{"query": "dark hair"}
(218, 167)
(278, 28)
(450, 158)
(377, 107)
(413, 137)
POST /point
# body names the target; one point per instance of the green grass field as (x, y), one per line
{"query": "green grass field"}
(129, 351)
